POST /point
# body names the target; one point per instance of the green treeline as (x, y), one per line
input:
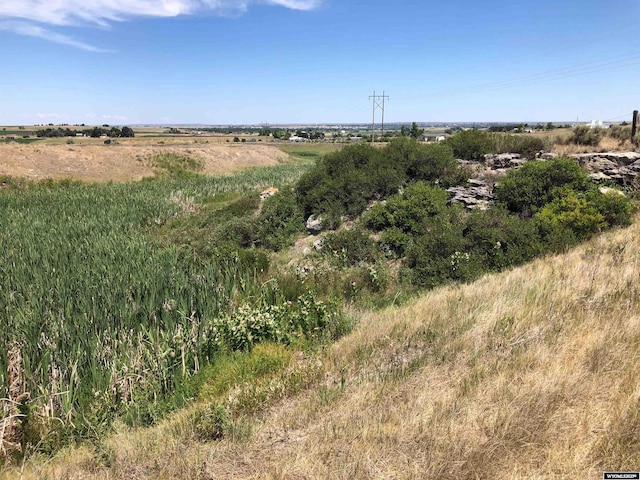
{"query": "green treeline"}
(95, 132)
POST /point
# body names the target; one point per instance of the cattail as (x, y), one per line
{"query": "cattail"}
(10, 432)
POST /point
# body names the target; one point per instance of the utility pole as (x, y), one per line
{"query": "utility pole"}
(634, 124)
(378, 102)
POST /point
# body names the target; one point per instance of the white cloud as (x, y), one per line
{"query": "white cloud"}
(23, 28)
(52, 117)
(102, 12)
(24, 16)
(120, 118)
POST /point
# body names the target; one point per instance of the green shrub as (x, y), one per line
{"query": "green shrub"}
(349, 247)
(569, 219)
(394, 242)
(616, 208)
(527, 189)
(439, 256)
(408, 210)
(279, 220)
(470, 145)
(436, 163)
(527, 146)
(501, 239)
(344, 182)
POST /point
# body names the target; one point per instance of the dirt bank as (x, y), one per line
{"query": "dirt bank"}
(120, 163)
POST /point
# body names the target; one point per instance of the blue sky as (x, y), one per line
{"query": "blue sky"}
(316, 61)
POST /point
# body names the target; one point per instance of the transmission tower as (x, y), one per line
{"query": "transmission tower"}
(378, 102)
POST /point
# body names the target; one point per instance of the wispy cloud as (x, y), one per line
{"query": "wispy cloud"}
(25, 17)
(28, 29)
(118, 118)
(103, 12)
(51, 117)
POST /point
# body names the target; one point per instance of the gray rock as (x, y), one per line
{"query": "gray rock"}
(620, 159)
(503, 160)
(473, 197)
(314, 224)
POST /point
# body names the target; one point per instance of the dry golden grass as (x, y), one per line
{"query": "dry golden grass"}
(532, 373)
(607, 144)
(128, 161)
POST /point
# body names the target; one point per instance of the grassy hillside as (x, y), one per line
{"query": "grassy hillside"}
(530, 373)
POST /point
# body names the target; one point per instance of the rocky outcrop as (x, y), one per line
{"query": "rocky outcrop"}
(619, 167)
(497, 161)
(477, 195)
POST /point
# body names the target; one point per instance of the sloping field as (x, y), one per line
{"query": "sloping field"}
(532, 373)
(104, 163)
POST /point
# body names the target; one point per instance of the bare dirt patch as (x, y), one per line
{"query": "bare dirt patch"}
(121, 163)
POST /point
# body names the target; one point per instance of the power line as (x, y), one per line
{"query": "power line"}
(378, 102)
(620, 61)
(616, 118)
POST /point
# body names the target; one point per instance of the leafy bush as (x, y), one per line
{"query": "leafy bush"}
(306, 319)
(527, 189)
(500, 239)
(616, 208)
(527, 146)
(434, 163)
(569, 219)
(279, 220)
(394, 242)
(470, 145)
(439, 256)
(345, 181)
(408, 210)
(349, 247)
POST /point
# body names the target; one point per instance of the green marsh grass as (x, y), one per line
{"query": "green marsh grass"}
(105, 312)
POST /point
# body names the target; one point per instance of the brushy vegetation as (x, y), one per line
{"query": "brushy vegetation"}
(585, 135)
(473, 145)
(119, 300)
(344, 182)
(544, 206)
(531, 373)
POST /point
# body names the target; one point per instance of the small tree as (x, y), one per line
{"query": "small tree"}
(415, 132)
(127, 132)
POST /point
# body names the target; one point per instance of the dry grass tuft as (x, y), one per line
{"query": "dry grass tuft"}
(607, 144)
(531, 373)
